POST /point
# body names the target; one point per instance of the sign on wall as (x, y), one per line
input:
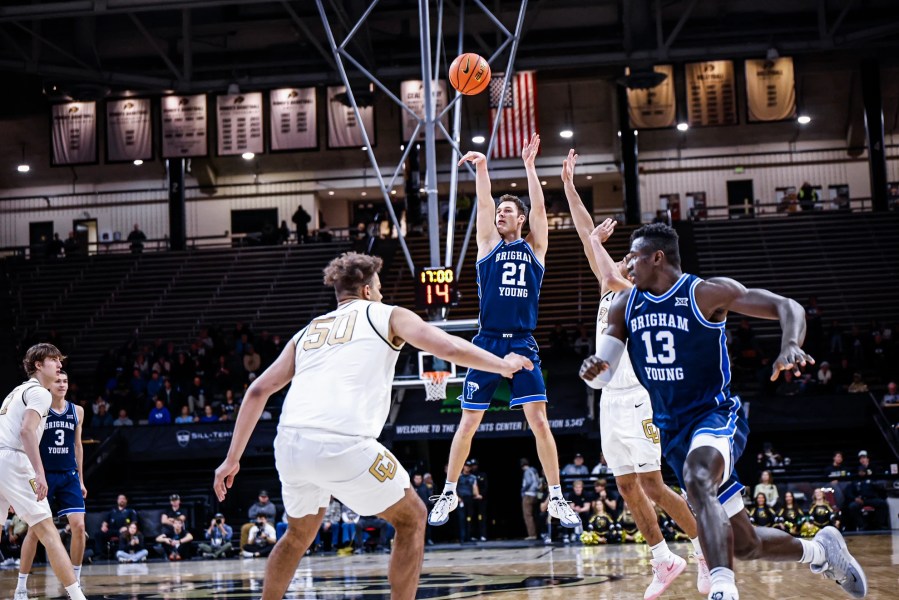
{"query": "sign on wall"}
(293, 119)
(770, 89)
(184, 123)
(74, 133)
(239, 123)
(656, 107)
(412, 94)
(711, 96)
(129, 130)
(344, 131)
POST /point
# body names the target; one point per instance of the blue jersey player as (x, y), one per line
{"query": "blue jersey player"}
(509, 275)
(673, 323)
(61, 455)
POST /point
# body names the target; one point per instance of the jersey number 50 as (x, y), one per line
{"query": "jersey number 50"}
(334, 330)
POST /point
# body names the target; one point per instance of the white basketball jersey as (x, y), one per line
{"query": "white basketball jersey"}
(624, 377)
(344, 371)
(12, 412)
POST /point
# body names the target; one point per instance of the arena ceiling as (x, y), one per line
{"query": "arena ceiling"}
(90, 49)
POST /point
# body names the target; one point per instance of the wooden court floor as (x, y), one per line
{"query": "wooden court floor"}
(569, 573)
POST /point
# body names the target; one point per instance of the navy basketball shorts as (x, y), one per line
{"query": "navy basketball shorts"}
(526, 386)
(64, 488)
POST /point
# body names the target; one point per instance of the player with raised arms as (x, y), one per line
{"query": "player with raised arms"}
(340, 369)
(509, 274)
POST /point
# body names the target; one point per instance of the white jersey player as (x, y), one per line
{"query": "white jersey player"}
(630, 441)
(340, 369)
(23, 483)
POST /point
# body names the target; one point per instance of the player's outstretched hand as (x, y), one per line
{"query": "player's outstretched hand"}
(516, 363)
(592, 367)
(791, 358)
(224, 478)
(530, 149)
(474, 158)
(604, 230)
(568, 168)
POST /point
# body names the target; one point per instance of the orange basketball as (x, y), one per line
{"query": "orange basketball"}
(469, 74)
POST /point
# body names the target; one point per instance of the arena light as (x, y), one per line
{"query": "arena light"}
(543, 182)
(393, 192)
(683, 126)
(248, 156)
(138, 162)
(589, 177)
(566, 133)
(23, 168)
(364, 194)
(364, 148)
(479, 139)
(804, 119)
(330, 192)
(513, 184)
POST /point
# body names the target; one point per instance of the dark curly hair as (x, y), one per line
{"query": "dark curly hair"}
(350, 272)
(659, 236)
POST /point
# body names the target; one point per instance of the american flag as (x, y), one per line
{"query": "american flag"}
(519, 112)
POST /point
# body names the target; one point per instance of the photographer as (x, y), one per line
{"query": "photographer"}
(261, 539)
(218, 538)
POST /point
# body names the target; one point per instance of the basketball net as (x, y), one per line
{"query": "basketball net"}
(435, 384)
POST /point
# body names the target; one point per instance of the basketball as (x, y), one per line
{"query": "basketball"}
(469, 74)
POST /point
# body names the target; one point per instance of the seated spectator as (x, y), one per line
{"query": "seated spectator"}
(891, 398)
(209, 415)
(196, 395)
(865, 497)
(820, 515)
(864, 461)
(601, 527)
(252, 361)
(263, 506)
(131, 545)
(123, 420)
(580, 503)
(608, 497)
(218, 538)
(14, 531)
(173, 513)
(185, 417)
(601, 468)
(168, 394)
(102, 418)
(577, 467)
(348, 519)
(825, 376)
(381, 529)
(138, 385)
(154, 384)
(176, 541)
(837, 469)
(261, 539)
(761, 514)
(766, 486)
(627, 526)
(858, 385)
(229, 407)
(159, 415)
(790, 517)
(330, 528)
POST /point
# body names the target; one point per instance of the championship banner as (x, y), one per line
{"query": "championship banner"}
(293, 119)
(770, 89)
(711, 96)
(343, 129)
(184, 126)
(412, 93)
(656, 107)
(239, 124)
(129, 130)
(74, 133)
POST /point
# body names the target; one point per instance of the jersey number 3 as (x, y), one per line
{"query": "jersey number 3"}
(60, 437)
(665, 339)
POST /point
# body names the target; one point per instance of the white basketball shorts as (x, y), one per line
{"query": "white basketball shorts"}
(630, 441)
(16, 488)
(314, 465)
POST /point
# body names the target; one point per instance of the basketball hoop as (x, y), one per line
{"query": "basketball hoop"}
(435, 384)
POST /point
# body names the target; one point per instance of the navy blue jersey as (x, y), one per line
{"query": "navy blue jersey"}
(509, 280)
(58, 441)
(679, 356)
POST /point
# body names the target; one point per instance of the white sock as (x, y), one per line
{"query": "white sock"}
(722, 577)
(555, 491)
(449, 487)
(77, 573)
(812, 552)
(697, 549)
(660, 552)
(75, 592)
(23, 580)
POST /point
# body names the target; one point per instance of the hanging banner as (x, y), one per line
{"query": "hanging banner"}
(519, 112)
(770, 89)
(343, 129)
(293, 119)
(239, 124)
(412, 93)
(129, 130)
(183, 126)
(711, 95)
(74, 133)
(656, 107)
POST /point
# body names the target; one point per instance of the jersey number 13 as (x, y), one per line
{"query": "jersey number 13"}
(664, 342)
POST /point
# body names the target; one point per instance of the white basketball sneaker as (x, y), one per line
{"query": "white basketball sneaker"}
(703, 578)
(663, 574)
(561, 510)
(444, 504)
(839, 565)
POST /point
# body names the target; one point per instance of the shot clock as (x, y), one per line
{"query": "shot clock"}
(435, 287)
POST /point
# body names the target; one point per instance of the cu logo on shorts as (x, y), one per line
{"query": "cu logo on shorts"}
(651, 432)
(384, 467)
